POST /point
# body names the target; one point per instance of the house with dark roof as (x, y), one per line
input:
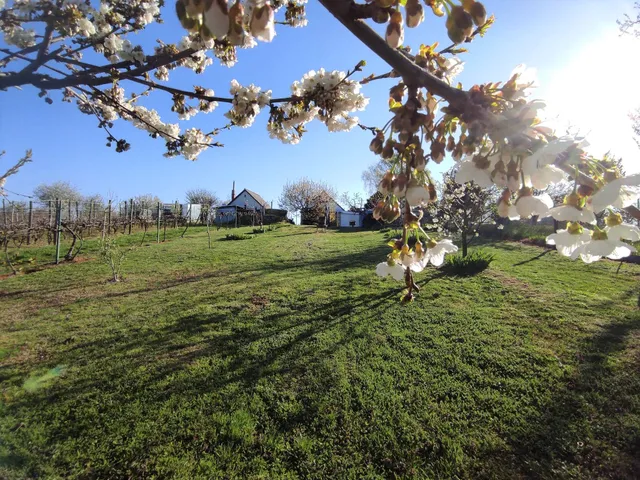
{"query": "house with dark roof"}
(246, 202)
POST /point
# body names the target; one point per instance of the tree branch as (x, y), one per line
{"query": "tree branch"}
(344, 11)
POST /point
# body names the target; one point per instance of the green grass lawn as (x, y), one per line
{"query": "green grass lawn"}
(284, 356)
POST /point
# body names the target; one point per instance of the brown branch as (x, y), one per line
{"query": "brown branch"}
(412, 74)
(46, 82)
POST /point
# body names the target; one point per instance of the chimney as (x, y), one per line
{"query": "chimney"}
(233, 191)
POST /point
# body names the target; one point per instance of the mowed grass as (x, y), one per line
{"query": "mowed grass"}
(284, 356)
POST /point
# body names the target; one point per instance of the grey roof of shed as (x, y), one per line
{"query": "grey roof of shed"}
(255, 196)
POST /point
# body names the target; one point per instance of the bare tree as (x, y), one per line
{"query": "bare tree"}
(631, 26)
(308, 197)
(202, 196)
(371, 176)
(352, 201)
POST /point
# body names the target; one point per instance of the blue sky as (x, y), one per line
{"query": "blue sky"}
(573, 44)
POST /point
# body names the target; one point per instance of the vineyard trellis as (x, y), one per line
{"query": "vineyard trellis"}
(66, 224)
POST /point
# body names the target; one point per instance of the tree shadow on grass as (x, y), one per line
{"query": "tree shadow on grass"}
(588, 425)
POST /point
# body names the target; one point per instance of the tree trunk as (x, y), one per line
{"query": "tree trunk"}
(465, 244)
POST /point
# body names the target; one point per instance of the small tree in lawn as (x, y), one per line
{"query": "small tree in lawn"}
(463, 208)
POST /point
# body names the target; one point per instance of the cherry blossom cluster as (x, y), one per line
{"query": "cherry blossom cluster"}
(523, 157)
(461, 21)
(328, 96)
(242, 23)
(247, 103)
(499, 142)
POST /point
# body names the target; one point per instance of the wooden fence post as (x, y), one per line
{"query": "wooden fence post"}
(131, 215)
(104, 224)
(91, 215)
(30, 224)
(109, 215)
(58, 221)
(124, 227)
(158, 224)
(176, 212)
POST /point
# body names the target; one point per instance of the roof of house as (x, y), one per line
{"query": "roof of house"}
(255, 196)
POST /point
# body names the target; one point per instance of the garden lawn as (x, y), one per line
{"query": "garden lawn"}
(284, 356)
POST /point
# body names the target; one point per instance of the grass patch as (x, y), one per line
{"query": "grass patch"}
(291, 359)
(475, 262)
(235, 236)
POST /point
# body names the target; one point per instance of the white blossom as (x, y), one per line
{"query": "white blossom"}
(468, 171)
(507, 210)
(566, 242)
(452, 67)
(618, 193)
(195, 141)
(600, 246)
(623, 231)
(569, 213)
(528, 204)
(162, 73)
(436, 251)
(247, 102)
(85, 27)
(417, 195)
(396, 271)
(20, 37)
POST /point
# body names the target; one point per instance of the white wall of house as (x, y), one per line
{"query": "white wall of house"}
(191, 211)
(345, 219)
(244, 200)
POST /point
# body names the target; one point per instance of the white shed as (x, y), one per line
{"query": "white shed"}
(191, 211)
(350, 219)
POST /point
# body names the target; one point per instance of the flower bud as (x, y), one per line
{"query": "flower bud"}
(415, 13)
(395, 31)
(216, 20)
(377, 212)
(400, 185)
(376, 144)
(479, 14)
(417, 194)
(585, 190)
(397, 92)
(419, 162)
(387, 150)
(380, 16)
(467, 4)
(262, 21)
(433, 194)
(462, 20)
(386, 183)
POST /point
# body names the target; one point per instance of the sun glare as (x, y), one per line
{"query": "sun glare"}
(596, 92)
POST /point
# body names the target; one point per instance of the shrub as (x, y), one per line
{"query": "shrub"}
(113, 255)
(474, 262)
(259, 230)
(235, 236)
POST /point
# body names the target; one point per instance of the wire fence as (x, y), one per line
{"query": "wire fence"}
(64, 225)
